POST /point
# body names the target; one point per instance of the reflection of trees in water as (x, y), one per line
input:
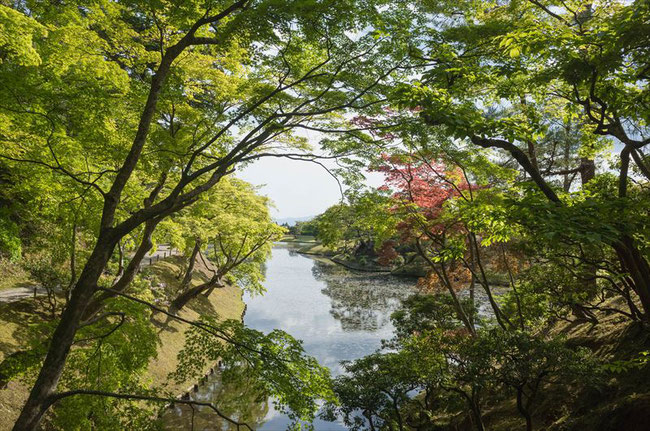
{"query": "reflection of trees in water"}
(233, 393)
(361, 300)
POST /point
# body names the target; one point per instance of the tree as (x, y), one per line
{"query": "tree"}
(373, 393)
(166, 101)
(238, 227)
(434, 202)
(509, 78)
(428, 368)
(359, 225)
(527, 363)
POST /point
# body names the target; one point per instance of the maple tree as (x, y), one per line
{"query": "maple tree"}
(423, 189)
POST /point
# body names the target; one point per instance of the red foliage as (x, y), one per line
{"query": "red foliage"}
(427, 184)
(423, 186)
(387, 253)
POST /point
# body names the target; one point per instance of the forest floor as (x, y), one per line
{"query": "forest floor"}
(226, 303)
(617, 402)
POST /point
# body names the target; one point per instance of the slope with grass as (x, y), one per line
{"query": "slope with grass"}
(226, 303)
(619, 400)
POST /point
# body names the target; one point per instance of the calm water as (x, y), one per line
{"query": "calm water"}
(339, 314)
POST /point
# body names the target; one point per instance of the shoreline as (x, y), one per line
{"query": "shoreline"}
(400, 271)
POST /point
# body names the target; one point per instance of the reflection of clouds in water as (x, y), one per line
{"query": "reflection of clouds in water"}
(339, 315)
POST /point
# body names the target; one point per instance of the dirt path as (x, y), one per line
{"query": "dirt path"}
(17, 293)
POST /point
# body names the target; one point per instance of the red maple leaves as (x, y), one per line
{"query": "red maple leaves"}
(426, 184)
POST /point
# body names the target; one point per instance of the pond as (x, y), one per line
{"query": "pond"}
(339, 314)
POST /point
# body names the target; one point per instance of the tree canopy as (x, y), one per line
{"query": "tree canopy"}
(511, 136)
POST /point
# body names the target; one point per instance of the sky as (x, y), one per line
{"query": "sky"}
(297, 188)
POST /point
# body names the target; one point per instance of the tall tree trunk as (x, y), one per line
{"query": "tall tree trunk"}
(502, 319)
(478, 417)
(587, 170)
(472, 283)
(566, 177)
(522, 409)
(589, 273)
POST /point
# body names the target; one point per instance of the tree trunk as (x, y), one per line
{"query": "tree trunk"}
(40, 396)
(587, 173)
(129, 273)
(472, 283)
(637, 267)
(524, 412)
(587, 170)
(460, 312)
(190, 266)
(502, 319)
(189, 294)
(476, 413)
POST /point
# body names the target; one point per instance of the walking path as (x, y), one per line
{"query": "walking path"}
(17, 293)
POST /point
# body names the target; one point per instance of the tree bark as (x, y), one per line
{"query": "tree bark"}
(460, 312)
(587, 173)
(476, 412)
(190, 266)
(128, 274)
(637, 267)
(189, 294)
(524, 412)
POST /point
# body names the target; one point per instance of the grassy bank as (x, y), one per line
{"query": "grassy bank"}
(298, 238)
(12, 275)
(226, 303)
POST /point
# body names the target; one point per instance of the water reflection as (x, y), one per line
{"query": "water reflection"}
(360, 301)
(339, 315)
(235, 396)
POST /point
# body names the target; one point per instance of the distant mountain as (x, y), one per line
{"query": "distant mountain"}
(292, 220)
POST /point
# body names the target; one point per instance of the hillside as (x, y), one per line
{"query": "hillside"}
(226, 303)
(617, 401)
